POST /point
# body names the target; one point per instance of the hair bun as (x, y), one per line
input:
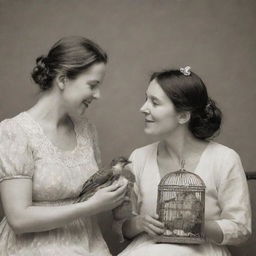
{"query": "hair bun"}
(206, 124)
(41, 74)
(210, 108)
(70, 56)
(41, 61)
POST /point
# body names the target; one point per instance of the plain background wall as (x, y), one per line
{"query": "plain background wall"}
(216, 38)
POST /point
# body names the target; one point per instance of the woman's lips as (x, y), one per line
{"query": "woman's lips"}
(149, 121)
(86, 103)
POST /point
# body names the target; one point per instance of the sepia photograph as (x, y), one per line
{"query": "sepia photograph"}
(127, 128)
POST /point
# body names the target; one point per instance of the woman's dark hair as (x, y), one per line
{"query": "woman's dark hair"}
(189, 93)
(70, 56)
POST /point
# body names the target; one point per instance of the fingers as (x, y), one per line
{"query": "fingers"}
(127, 199)
(155, 216)
(153, 230)
(117, 189)
(120, 195)
(121, 191)
(154, 222)
(114, 186)
(115, 194)
(123, 181)
(152, 226)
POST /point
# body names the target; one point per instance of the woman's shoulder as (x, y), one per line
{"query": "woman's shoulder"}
(145, 150)
(16, 155)
(223, 156)
(221, 150)
(141, 155)
(12, 125)
(13, 132)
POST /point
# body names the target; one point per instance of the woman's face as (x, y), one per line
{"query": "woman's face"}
(81, 91)
(161, 118)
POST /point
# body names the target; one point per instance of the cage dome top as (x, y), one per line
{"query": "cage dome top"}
(182, 178)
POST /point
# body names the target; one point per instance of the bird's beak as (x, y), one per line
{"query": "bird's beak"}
(128, 162)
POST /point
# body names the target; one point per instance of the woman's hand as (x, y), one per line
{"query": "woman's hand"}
(110, 197)
(213, 231)
(150, 224)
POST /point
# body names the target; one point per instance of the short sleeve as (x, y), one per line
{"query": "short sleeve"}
(233, 194)
(16, 159)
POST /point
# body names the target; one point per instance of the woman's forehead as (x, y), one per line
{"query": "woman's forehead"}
(95, 72)
(154, 89)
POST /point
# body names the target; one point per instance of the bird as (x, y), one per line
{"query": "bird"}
(119, 168)
(128, 208)
(103, 178)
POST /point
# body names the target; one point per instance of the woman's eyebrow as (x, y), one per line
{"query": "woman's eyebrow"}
(152, 97)
(155, 98)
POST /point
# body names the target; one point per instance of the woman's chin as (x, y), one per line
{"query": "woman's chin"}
(82, 112)
(77, 114)
(149, 131)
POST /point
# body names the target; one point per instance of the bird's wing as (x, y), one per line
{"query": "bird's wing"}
(97, 179)
(88, 185)
(89, 191)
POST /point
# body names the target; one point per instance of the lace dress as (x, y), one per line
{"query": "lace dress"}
(58, 176)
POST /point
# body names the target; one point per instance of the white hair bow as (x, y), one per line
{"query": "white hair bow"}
(186, 71)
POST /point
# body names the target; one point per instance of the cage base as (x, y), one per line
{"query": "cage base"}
(179, 240)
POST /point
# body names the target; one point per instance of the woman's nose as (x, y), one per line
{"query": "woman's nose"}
(96, 93)
(144, 109)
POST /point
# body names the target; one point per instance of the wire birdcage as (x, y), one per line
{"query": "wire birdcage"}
(181, 206)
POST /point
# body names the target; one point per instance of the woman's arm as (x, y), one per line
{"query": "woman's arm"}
(233, 197)
(152, 226)
(213, 232)
(140, 223)
(131, 227)
(23, 217)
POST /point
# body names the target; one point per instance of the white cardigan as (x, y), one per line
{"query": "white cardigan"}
(226, 200)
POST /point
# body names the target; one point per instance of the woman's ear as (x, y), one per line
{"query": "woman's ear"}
(61, 81)
(184, 117)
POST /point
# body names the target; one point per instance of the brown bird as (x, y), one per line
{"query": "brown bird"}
(128, 208)
(119, 168)
(103, 178)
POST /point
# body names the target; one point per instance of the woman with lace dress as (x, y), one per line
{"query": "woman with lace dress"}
(179, 112)
(48, 152)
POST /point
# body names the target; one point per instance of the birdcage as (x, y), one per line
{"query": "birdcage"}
(180, 206)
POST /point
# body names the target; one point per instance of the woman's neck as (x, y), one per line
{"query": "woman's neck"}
(182, 146)
(48, 111)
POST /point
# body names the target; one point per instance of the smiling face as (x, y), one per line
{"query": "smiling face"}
(78, 93)
(161, 117)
